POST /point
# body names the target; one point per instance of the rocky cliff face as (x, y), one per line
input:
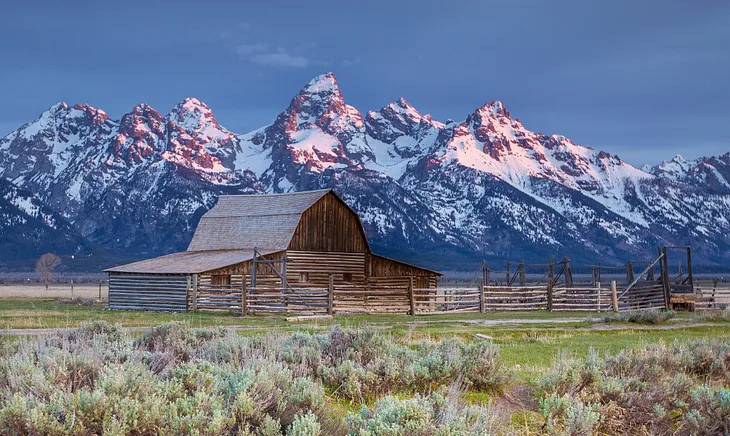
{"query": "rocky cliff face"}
(483, 187)
(29, 228)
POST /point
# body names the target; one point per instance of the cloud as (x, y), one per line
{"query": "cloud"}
(350, 62)
(268, 54)
(264, 55)
(251, 49)
(280, 59)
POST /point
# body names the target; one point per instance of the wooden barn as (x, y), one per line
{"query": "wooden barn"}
(293, 242)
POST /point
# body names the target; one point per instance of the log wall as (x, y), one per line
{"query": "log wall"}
(148, 292)
(312, 268)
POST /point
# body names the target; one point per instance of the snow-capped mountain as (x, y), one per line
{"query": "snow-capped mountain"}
(483, 187)
(29, 228)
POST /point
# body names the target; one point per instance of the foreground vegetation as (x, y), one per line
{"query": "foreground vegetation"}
(178, 380)
(174, 379)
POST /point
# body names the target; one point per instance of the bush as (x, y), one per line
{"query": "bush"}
(178, 380)
(422, 415)
(651, 390)
(640, 317)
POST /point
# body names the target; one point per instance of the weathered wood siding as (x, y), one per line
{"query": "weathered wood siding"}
(402, 281)
(245, 267)
(148, 292)
(330, 226)
(382, 269)
(318, 265)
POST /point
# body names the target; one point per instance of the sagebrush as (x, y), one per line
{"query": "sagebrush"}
(178, 380)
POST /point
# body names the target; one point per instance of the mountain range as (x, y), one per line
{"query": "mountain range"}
(444, 194)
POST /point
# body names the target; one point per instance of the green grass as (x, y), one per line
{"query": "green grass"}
(17, 313)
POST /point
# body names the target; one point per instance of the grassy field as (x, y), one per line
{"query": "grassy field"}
(495, 373)
(529, 341)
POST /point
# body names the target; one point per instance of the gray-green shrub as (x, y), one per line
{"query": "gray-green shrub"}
(656, 389)
(639, 317)
(178, 380)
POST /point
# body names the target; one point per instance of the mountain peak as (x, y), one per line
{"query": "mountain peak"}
(495, 108)
(192, 114)
(191, 104)
(95, 115)
(58, 106)
(322, 84)
(143, 109)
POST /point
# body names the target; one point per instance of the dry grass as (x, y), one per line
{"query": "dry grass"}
(54, 291)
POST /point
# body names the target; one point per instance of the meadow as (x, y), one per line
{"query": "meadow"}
(72, 367)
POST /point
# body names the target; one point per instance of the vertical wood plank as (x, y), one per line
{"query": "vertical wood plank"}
(668, 285)
(188, 292)
(244, 302)
(614, 296)
(482, 308)
(410, 295)
(690, 277)
(550, 284)
(195, 292)
(330, 294)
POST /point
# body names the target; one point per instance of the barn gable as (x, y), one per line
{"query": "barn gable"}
(253, 221)
(330, 225)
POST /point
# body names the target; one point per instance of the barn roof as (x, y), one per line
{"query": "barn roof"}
(254, 221)
(229, 232)
(407, 264)
(188, 262)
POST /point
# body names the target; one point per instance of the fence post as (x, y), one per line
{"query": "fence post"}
(195, 292)
(667, 283)
(72, 289)
(550, 296)
(100, 290)
(244, 303)
(482, 308)
(598, 296)
(410, 295)
(629, 272)
(330, 294)
(523, 276)
(614, 296)
(551, 283)
(568, 272)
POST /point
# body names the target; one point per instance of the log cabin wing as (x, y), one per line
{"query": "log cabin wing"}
(299, 240)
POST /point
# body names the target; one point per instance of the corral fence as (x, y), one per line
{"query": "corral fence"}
(712, 295)
(509, 290)
(408, 299)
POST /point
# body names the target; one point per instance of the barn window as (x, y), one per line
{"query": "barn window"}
(347, 277)
(303, 277)
(220, 279)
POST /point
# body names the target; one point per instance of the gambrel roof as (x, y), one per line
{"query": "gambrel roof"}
(229, 232)
(254, 221)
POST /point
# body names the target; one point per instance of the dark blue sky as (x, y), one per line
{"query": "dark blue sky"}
(643, 79)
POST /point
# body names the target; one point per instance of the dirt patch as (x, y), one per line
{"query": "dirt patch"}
(516, 398)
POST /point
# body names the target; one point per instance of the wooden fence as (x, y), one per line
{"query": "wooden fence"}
(515, 298)
(179, 293)
(643, 296)
(368, 299)
(712, 295)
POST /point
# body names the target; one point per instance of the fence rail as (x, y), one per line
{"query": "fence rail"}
(712, 296)
(373, 298)
(408, 299)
